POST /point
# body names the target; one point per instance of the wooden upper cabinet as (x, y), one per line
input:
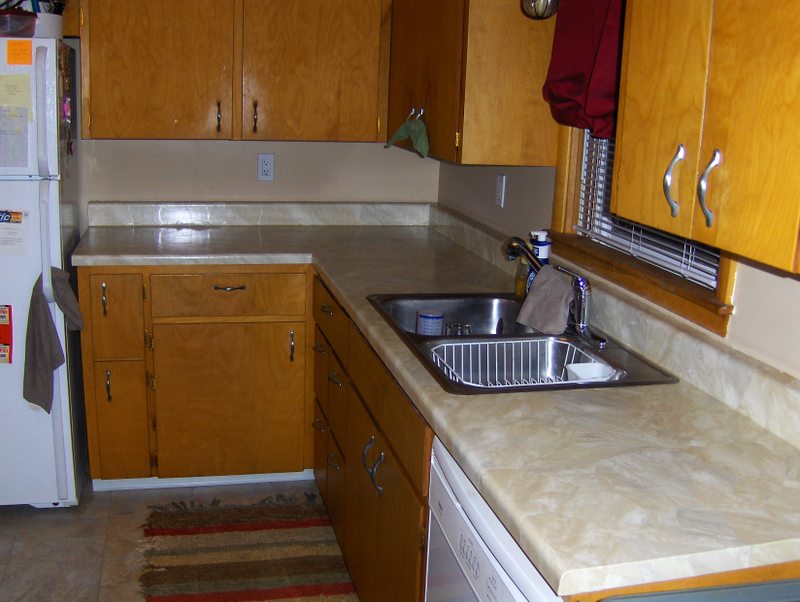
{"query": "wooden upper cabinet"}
(311, 71)
(476, 69)
(692, 78)
(152, 70)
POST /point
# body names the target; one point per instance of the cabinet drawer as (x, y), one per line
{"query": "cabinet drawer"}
(331, 319)
(404, 428)
(178, 295)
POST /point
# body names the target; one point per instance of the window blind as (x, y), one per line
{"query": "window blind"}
(688, 259)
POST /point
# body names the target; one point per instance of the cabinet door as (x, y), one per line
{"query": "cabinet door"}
(425, 69)
(320, 465)
(158, 71)
(117, 319)
(321, 355)
(753, 103)
(122, 421)
(311, 70)
(229, 398)
(361, 500)
(400, 533)
(335, 502)
(662, 98)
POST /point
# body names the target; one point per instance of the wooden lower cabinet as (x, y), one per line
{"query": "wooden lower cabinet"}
(122, 426)
(385, 527)
(229, 398)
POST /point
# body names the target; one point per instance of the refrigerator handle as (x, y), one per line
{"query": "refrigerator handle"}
(44, 239)
(40, 79)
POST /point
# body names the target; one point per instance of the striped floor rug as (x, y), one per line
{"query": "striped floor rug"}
(282, 548)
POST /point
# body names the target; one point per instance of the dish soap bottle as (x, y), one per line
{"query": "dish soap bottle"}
(541, 246)
(521, 278)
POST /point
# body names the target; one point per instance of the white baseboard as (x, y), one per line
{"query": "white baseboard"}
(157, 483)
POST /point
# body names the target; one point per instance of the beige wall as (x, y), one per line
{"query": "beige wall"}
(170, 170)
(471, 191)
(765, 324)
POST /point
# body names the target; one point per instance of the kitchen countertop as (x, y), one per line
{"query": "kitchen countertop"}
(602, 488)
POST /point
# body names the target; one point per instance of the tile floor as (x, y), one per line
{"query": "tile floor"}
(91, 551)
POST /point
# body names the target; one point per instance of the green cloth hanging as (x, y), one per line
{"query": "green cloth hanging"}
(415, 130)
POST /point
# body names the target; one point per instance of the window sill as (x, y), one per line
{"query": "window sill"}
(695, 303)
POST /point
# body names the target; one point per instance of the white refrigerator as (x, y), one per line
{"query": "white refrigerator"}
(38, 229)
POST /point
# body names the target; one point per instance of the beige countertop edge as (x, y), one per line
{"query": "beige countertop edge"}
(447, 414)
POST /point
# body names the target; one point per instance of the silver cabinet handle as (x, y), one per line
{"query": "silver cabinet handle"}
(374, 471)
(255, 116)
(680, 155)
(219, 116)
(319, 425)
(702, 186)
(228, 289)
(104, 298)
(319, 348)
(108, 385)
(291, 345)
(334, 378)
(332, 463)
(326, 309)
(364, 453)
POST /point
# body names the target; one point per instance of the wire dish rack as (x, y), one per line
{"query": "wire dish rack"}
(510, 363)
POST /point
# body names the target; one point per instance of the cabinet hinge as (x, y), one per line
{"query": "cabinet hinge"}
(379, 125)
(154, 460)
(458, 139)
(153, 422)
(148, 340)
(423, 538)
(89, 119)
(150, 381)
(144, 292)
(80, 17)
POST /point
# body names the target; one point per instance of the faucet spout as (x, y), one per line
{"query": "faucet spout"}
(515, 246)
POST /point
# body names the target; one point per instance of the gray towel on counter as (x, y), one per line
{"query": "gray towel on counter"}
(546, 308)
(43, 352)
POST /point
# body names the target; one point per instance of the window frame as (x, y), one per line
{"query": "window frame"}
(707, 308)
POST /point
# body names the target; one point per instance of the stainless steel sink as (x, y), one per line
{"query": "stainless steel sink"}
(497, 355)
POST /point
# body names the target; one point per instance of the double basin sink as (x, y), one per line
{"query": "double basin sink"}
(482, 349)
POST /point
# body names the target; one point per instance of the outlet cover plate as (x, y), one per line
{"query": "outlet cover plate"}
(500, 190)
(266, 167)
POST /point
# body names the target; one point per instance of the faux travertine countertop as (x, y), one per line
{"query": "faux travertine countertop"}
(602, 488)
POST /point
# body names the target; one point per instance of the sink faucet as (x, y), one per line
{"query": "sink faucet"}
(582, 292)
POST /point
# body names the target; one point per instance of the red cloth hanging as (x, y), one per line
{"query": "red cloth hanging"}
(583, 77)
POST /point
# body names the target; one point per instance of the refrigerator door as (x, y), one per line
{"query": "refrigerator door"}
(29, 111)
(36, 460)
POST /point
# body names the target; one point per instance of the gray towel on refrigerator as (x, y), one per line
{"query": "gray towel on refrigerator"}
(546, 308)
(43, 352)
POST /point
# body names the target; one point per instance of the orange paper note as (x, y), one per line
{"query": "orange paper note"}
(19, 52)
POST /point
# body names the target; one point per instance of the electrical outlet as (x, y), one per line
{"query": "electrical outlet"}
(266, 167)
(500, 190)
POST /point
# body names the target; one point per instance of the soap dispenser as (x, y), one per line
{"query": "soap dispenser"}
(541, 245)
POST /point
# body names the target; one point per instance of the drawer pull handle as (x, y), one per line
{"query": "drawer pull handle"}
(319, 425)
(334, 378)
(104, 297)
(374, 471)
(228, 289)
(219, 116)
(702, 186)
(291, 345)
(680, 155)
(108, 385)
(319, 348)
(364, 453)
(255, 116)
(326, 309)
(332, 463)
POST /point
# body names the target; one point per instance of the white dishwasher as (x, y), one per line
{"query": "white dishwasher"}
(471, 556)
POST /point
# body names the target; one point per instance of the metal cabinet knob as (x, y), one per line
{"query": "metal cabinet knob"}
(680, 155)
(702, 186)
